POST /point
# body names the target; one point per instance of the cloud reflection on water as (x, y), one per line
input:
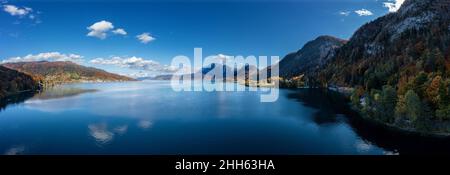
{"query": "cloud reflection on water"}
(363, 146)
(100, 133)
(121, 129)
(56, 99)
(145, 124)
(15, 150)
(103, 135)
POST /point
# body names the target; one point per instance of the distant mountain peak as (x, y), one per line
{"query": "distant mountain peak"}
(313, 54)
(411, 6)
(329, 38)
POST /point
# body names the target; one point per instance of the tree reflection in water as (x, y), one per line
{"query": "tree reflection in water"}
(330, 105)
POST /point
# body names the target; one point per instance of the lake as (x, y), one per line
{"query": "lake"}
(148, 117)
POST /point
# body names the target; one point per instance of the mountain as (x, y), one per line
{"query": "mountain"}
(158, 77)
(247, 71)
(227, 71)
(232, 74)
(203, 72)
(13, 82)
(64, 72)
(243, 72)
(399, 67)
(397, 40)
(312, 56)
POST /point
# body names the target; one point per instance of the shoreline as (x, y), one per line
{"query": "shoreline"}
(42, 88)
(6, 96)
(345, 91)
(403, 130)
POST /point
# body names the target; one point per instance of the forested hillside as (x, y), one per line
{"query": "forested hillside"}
(399, 66)
(64, 72)
(13, 82)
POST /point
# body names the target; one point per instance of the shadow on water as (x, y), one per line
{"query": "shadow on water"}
(329, 104)
(15, 99)
(57, 92)
(52, 93)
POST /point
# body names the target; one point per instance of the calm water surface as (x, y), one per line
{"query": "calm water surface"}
(150, 118)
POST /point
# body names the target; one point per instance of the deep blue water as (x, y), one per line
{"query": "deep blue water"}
(150, 118)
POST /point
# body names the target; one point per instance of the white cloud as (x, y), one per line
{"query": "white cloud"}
(16, 11)
(102, 28)
(145, 38)
(135, 63)
(22, 12)
(231, 61)
(47, 56)
(393, 5)
(119, 31)
(364, 12)
(99, 29)
(126, 62)
(140, 74)
(344, 13)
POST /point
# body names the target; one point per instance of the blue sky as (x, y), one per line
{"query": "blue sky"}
(53, 30)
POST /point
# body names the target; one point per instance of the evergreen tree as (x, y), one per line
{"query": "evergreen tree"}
(400, 111)
(440, 60)
(413, 106)
(443, 113)
(430, 61)
(387, 103)
(419, 84)
(444, 95)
